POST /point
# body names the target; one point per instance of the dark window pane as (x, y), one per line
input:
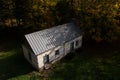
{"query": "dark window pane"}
(57, 52)
(77, 43)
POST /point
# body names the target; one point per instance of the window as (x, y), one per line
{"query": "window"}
(77, 43)
(57, 52)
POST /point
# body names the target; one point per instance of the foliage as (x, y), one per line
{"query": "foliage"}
(22, 11)
(43, 13)
(6, 11)
(99, 19)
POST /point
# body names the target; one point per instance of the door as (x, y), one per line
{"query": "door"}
(46, 59)
(72, 46)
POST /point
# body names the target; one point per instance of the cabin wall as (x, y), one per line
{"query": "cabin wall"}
(41, 60)
(63, 50)
(30, 56)
(67, 47)
(68, 44)
(52, 56)
(25, 51)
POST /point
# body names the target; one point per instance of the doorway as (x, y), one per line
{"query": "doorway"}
(46, 59)
(72, 46)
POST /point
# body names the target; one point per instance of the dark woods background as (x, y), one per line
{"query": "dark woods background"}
(98, 19)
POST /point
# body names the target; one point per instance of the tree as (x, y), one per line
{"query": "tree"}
(22, 11)
(97, 18)
(6, 10)
(43, 13)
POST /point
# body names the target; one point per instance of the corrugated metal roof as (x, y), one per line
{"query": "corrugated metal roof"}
(43, 40)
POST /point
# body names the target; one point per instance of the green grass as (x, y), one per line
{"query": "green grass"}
(13, 65)
(86, 69)
(95, 62)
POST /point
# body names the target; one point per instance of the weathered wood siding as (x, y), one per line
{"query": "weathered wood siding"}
(33, 60)
(63, 49)
(51, 54)
(41, 59)
(38, 61)
(68, 44)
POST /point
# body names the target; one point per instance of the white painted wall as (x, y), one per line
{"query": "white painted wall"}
(51, 52)
(52, 56)
(67, 47)
(38, 61)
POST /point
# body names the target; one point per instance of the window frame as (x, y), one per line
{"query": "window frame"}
(57, 52)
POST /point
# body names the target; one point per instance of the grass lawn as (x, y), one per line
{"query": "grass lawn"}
(13, 66)
(95, 62)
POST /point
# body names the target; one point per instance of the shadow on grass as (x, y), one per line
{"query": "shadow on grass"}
(95, 62)
(12, 61)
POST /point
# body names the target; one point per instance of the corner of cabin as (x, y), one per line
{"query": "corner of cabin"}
(30, 56)
(40, 59)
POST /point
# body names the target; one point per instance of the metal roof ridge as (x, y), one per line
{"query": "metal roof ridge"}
(48, 28)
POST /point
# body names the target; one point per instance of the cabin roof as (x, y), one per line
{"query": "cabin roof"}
(44, 40)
